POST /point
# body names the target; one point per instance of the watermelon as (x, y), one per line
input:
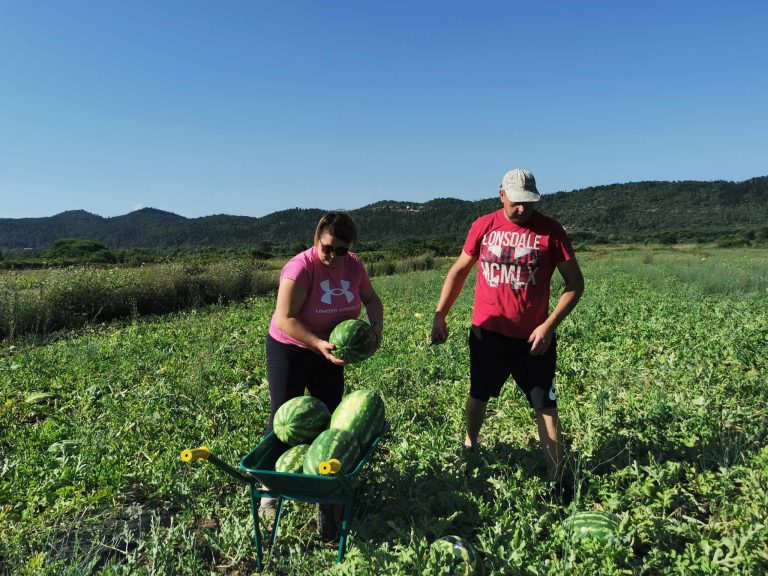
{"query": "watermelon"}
(465, 559)
(354, 340)
(40, 397)
(332, 443)
(300, 420)
(362, 413)
(63, 447)
(600, 525)
(292, 460)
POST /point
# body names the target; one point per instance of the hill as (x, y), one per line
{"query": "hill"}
(657, 211)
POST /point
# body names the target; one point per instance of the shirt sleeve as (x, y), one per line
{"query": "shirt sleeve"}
(297, 269)
(472, 243)
(562, 249)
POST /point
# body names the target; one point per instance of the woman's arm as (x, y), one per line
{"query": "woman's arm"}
(374, 308)
(290, 299)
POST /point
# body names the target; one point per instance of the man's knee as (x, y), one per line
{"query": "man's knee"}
(475, 405)
(546, 413)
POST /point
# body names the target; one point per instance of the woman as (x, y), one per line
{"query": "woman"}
(319, 288)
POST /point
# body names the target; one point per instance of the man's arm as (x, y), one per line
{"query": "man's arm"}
(574, 288)
(452, 286)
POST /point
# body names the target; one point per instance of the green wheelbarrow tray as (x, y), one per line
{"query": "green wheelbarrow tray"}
(257, 469)
(260, 463)
(336, 489)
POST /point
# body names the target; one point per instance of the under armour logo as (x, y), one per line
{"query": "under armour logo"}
(329, 292)
(552, 392)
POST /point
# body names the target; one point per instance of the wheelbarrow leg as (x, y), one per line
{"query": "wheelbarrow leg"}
(255, 499)
(345, 522)
(276, 523)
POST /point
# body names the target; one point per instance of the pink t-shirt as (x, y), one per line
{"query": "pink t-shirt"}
(514, 268)
(333, 294)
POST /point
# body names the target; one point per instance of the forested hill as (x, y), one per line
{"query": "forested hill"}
(635, 212)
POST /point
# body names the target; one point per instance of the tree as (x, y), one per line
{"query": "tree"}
(75, 250)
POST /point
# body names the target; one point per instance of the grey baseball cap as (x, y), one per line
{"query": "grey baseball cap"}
(519, 185)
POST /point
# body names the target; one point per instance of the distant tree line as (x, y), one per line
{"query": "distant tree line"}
(727, 213)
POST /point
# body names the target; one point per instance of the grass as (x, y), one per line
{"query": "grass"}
(662, 392)
(40, 302)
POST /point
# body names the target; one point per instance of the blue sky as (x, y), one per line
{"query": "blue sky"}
(247, 108)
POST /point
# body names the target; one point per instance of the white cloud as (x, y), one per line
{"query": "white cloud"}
(137, 207)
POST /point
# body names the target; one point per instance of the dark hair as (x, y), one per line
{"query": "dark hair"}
(339, 225)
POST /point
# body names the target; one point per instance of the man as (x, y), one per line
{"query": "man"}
(513, 332)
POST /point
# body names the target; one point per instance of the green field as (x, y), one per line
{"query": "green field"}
(663, 392)
(39, 302)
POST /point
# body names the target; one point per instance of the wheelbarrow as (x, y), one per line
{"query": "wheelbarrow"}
(257, 470)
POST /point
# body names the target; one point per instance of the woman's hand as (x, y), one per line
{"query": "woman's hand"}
(378, 328)
(375, 310)
(325, 347)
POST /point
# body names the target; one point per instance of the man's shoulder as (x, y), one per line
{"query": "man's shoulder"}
(546, 222)
(486, 219)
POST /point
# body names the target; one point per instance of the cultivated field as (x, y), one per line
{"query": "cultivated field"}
(34, 302)
(663, 391)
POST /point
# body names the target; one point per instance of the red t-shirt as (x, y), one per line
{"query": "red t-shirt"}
(514, 268)
(333, 294)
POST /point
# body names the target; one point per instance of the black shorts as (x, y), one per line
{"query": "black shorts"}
(493, 358)
(291, 369)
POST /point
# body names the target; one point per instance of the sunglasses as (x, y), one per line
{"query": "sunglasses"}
(338, 250)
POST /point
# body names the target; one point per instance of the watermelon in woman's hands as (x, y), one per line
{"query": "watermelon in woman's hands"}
(353, 340)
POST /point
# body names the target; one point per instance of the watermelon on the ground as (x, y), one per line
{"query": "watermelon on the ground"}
(300, 420)
(63, 447)
(354, 340)
(40, 397)
(292, 460)
(462, 552)
(332, 443)
(600, 525)
(362, 413)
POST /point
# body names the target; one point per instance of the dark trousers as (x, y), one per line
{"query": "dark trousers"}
(291, 369)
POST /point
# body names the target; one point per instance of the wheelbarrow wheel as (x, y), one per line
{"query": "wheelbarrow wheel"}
(326, 523)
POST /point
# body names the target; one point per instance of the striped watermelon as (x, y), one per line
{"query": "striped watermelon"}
(63, 447)
(332, 443)
(300, 420)
(292, 460)
(462, 552)
(354, 340)
(40, 397)
(600, 525)
(362, 413)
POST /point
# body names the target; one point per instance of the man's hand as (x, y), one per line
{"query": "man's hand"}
(439, 329)
(325, 347)
(540, 339)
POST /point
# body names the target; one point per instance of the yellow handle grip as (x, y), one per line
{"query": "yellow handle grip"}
(330, 467)
(190, 454)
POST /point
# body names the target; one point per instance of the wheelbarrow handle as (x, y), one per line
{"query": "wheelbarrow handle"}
(190, 454)
(329, 467)
(204, 453)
